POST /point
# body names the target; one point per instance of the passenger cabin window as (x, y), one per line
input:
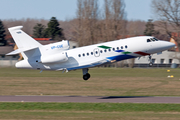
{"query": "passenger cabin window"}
(79, 55)
(113, 49)
(126, 47)
(117, 48)
(121, 47)
(109, 50)
(83, 54)
(105, 50)
(87, 54)
(101, 51)
(91, 53)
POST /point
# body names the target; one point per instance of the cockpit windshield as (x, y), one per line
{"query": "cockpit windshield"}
(152, 39)
(156, 39)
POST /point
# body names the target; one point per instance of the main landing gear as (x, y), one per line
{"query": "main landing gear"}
(150, 59)
(86, 75)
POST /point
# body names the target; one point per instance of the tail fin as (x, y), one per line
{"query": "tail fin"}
(23, 41)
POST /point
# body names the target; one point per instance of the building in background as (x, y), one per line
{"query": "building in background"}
(7, 61)
(166, 59)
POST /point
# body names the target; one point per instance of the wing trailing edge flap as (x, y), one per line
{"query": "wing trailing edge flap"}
(20, 50)
(97, 63)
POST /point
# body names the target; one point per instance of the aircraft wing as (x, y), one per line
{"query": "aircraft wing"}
(93, 64)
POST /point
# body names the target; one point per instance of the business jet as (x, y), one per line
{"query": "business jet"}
(58, 56)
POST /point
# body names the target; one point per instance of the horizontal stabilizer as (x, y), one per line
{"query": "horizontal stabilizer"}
(20, 50)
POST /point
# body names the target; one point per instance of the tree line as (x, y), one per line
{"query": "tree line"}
(93, 24)
(53, 30)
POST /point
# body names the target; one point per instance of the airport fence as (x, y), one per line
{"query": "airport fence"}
(11, 63)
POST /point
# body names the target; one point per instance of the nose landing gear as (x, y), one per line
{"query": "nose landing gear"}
(86, 75)
(150, 59)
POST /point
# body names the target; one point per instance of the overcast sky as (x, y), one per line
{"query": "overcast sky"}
(65, 9)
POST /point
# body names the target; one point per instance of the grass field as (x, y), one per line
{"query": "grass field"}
(103, 82)
(89, 111)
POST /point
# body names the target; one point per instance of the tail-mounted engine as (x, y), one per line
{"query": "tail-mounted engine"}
(58, 57)
(63, 45)
(53, 53)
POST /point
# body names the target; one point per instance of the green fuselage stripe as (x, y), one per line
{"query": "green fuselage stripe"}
(126, 52)
(104, 47)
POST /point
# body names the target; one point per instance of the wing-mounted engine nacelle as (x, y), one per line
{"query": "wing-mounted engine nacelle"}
(58, 57)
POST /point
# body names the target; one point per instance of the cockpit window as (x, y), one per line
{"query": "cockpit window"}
(152, 39)
(156, 39)
(148, 40)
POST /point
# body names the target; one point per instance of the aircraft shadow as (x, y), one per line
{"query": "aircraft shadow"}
(116, 97)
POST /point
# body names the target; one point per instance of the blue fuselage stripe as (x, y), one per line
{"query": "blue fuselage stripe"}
(121, 57)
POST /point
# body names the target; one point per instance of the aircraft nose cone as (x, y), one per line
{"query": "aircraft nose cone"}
(167, 45)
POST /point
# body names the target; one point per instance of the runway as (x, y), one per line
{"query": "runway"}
(91, 99)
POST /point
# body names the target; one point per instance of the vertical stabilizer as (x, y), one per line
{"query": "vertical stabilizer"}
(23, 41)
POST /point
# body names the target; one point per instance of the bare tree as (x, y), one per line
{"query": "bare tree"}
(133, 25)
(114, 19)
(119, 17)
(93, 27)
(168, 14)
(87, 17)
(107, 20)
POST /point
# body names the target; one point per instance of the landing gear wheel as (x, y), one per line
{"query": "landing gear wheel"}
(86, 76)
(150, 64)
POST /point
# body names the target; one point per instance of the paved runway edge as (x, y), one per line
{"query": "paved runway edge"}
(91, 99)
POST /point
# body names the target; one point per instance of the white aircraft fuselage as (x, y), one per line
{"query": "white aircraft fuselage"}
(58, 56)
